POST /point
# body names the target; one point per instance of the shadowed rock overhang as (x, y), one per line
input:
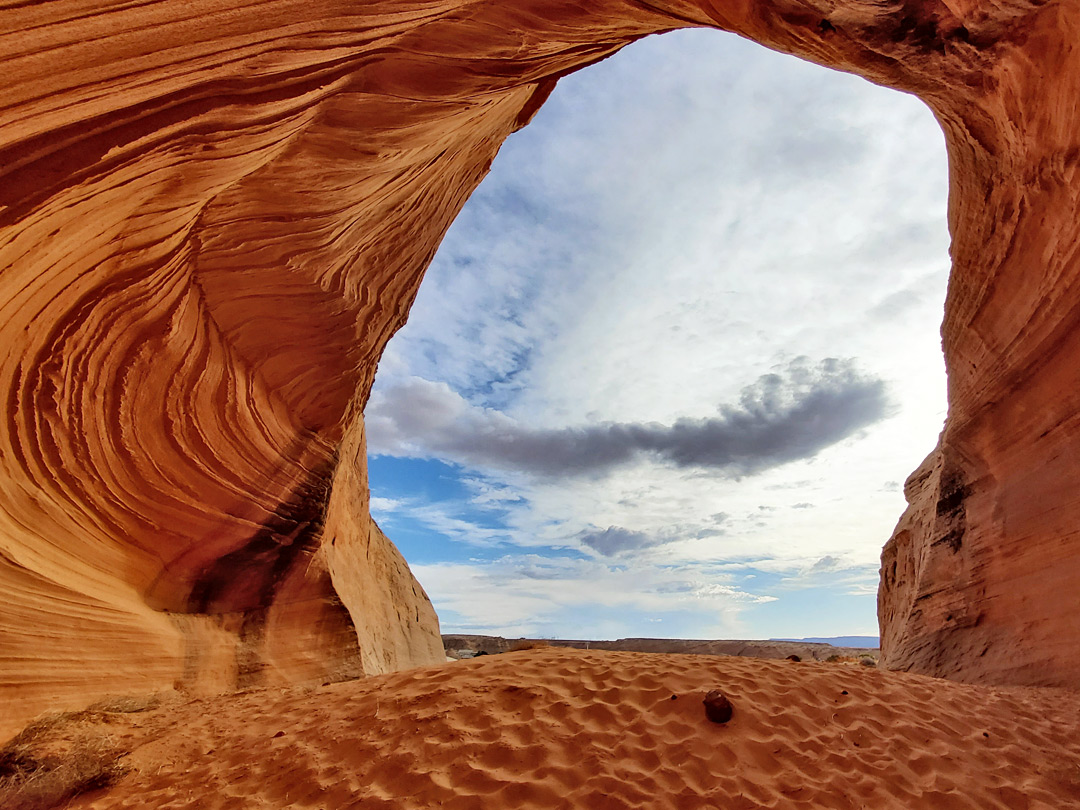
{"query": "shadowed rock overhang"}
(213, 216)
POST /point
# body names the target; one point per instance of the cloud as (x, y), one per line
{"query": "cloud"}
(863, 589)
(826, 563)
(615, 539)
(532, 595)
(832, 572)
(451, 521)
(784, 416)
(385, 505)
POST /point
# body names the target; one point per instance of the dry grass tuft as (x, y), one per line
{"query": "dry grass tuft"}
(126, 704)
(45, 765)
(841, 659)
(529, 644)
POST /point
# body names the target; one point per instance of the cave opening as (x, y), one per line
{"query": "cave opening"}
(673, 360)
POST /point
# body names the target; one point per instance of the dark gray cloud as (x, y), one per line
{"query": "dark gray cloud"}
(676, 587)
(615, 539)
(785, 416)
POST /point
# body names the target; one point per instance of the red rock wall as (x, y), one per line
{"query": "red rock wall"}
(979, 582)
(214, 214)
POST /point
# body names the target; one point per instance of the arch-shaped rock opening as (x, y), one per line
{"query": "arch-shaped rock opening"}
(213, 217)
(594, 421)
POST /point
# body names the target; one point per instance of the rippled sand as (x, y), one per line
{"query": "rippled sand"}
(559, 728)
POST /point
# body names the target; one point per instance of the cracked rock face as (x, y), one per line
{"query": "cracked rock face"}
(213, 215)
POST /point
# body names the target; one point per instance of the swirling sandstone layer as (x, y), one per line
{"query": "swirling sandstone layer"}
(214, 214)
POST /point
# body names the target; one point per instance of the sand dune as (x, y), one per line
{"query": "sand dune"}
(560, 728)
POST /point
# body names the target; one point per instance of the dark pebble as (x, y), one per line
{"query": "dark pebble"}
(717, 707)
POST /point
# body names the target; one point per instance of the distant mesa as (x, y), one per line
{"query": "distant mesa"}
(459, 646)
(866, 642)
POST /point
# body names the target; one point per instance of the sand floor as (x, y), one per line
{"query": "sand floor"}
(558, 728)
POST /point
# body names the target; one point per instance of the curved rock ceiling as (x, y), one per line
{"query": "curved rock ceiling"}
(214, 214)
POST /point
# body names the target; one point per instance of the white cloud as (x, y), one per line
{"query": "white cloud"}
(532, 595)
(447, 520)
(386, 506)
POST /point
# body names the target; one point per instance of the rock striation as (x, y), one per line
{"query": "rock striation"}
(214, 214)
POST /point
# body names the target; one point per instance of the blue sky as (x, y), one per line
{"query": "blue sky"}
(676, 356)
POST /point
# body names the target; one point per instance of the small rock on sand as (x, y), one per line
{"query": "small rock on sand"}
(717, 707)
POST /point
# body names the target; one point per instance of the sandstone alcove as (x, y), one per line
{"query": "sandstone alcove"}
(214, 215)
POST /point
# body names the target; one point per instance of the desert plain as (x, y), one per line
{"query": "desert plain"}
(564, 728)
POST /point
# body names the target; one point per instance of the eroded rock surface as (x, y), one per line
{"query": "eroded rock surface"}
(214, 214)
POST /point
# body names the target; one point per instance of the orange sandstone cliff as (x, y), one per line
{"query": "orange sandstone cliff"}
(214, 214)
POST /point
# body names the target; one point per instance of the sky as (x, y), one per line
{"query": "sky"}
(675, 358)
